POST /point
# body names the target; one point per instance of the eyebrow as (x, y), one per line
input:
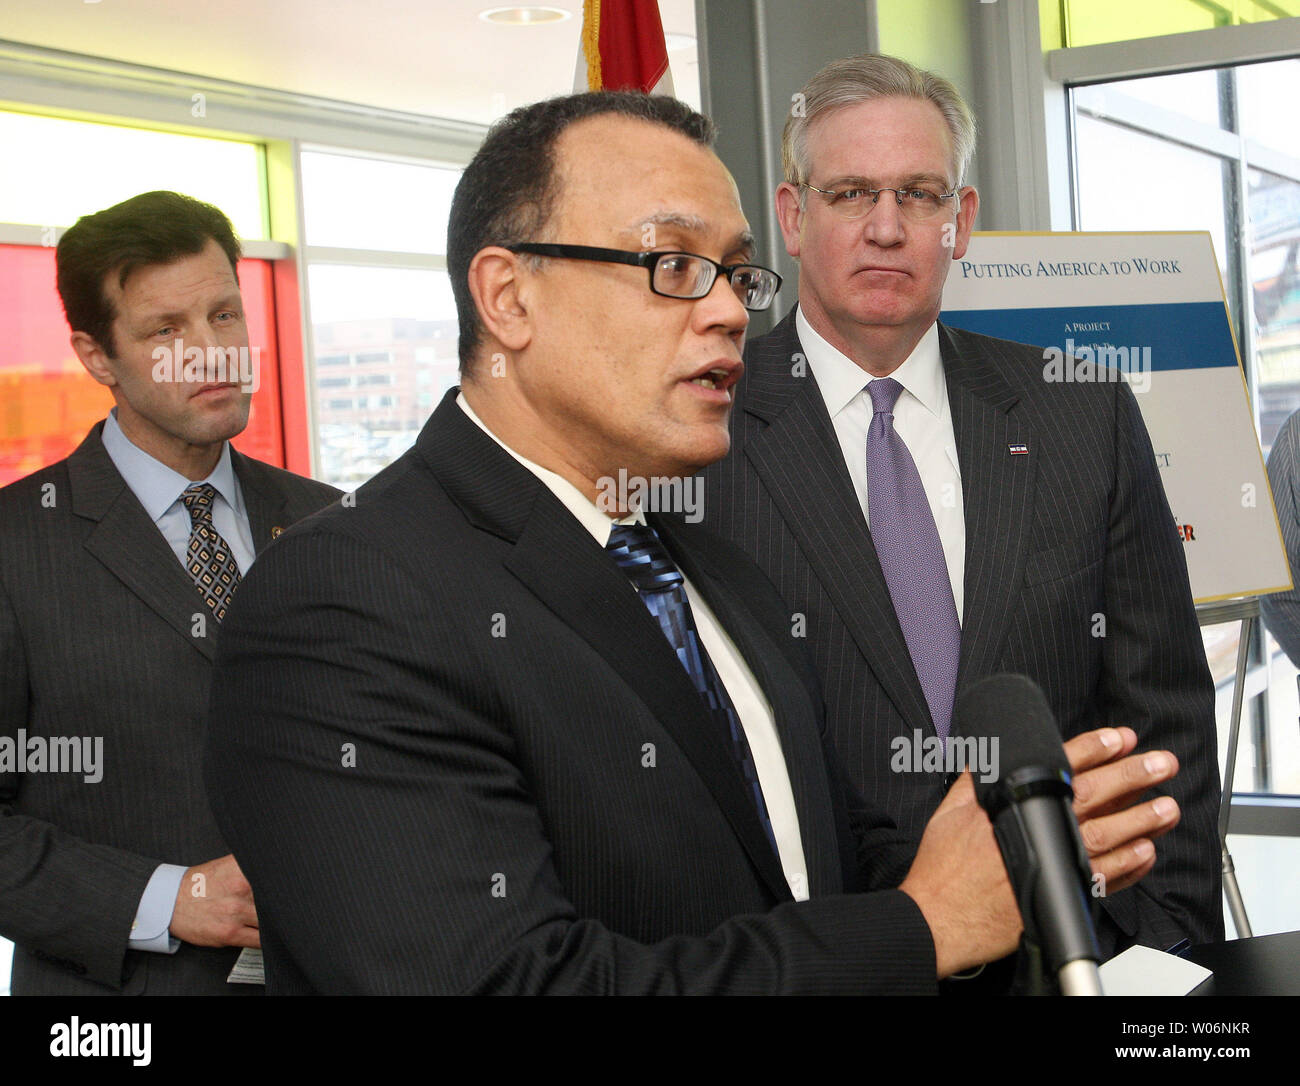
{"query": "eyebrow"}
(746, 247)
(868, 183)
(666, 218)
(230, 301)
(742, 242)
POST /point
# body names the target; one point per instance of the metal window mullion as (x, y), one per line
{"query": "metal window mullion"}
(1255, 814)
(1076, 199)
(307, 329)
(1166, 125)
(1270, 160)
(18, 233)
(1241, 280)
(101, 87)
(1171, 53)
(374, 258)
(449, 163)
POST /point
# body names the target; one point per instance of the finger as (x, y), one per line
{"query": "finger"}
(242, 912)
(1145, 821)
(1099, 746)
(249, 937)
(1123, 867)
(1111, 787)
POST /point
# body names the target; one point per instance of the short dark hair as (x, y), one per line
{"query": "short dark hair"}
(152, 228)
(508, 190)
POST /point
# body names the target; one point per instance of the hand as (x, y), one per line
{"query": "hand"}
(214, 906)
(960, 884)
(1108, 780)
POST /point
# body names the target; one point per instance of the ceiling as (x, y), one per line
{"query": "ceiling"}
(434, 57)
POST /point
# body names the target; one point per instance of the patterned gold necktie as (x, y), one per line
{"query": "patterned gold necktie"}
(209, 559)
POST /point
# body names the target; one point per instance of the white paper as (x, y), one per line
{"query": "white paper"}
(248, 968)
(1141, 971)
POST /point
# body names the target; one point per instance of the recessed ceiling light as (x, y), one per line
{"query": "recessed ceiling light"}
(529, 16)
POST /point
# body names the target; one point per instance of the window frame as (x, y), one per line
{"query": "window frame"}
(1223, 50)
(53, 83)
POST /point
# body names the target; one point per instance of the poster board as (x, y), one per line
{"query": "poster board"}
(1151, 307)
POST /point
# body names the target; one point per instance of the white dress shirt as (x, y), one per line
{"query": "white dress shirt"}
(921, 418)
(746, 695)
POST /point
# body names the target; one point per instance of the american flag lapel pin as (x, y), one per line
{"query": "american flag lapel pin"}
(1018, 450)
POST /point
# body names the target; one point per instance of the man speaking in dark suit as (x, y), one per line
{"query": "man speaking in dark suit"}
(933, 510)
(498, 728)
(116, 567)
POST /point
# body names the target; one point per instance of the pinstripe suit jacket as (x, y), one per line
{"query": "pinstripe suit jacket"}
(97, 638)
(1078, 528)
(454, 753)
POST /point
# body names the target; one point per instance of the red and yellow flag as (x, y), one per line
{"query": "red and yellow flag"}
(623, 47)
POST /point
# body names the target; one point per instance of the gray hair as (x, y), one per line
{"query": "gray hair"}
(860, 79)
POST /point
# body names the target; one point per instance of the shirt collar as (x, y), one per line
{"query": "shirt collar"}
(841, 379)
(599, 524)
(156, 485)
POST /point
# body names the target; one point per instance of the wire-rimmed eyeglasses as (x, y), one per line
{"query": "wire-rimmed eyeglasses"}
(917, 202)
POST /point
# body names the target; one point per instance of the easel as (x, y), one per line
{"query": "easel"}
(1246, 611)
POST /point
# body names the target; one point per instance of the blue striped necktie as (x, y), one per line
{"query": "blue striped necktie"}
(639, 553)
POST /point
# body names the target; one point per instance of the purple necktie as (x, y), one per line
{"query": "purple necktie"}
(911, 556)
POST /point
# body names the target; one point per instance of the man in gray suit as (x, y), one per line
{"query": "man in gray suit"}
(934, 511)
(116, 566)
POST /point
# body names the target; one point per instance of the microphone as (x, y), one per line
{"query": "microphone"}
(1028, 800)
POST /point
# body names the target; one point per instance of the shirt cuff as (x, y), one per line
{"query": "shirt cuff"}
(154, 916)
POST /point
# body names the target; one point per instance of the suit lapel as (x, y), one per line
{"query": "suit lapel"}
(557, 560)
(129, 544)
(265, 507)
(996, 491)
(797, 729)
(799, 460)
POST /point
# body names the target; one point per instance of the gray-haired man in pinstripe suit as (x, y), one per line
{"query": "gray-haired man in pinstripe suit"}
(1043, 500)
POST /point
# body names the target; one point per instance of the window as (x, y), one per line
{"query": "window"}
(382, 310)
(1214, 150)
(71, 168)
(1092, 22)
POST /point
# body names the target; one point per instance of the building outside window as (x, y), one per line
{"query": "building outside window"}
(382, 313)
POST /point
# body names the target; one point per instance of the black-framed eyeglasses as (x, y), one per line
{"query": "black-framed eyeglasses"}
(675, 275)
(918, 202)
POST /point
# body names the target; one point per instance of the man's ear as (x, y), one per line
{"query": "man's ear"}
(94, 358)
(790, 215)
(497, 285)
(970, 204)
